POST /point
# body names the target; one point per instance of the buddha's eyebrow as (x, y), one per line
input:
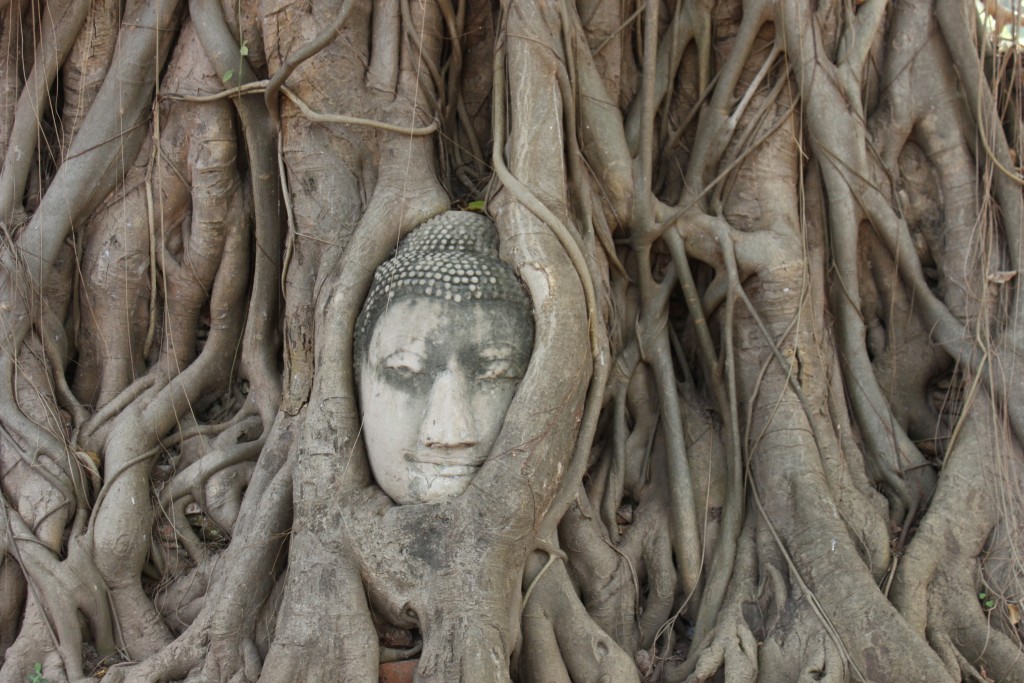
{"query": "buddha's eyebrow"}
(401, 342)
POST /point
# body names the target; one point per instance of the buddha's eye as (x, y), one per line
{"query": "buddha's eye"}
(404, 363)
(498, 368)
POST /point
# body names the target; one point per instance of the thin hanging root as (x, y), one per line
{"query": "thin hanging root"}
(286, 196)
(451, 93)
(412, 32)
(685, 538)
(55, 44)
(307, 111)
(726, 401)
(294, 59)
(612, 496)
(643, 208)
(955, 27)
(54, 342)
(715, 131)
(147, 345)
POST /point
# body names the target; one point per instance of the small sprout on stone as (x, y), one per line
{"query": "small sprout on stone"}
(228, 74)
(37, 675)
(243, 49)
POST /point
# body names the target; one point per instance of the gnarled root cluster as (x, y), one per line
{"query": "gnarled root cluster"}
(771, 429)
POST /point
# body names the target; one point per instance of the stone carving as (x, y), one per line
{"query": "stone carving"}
(444, 337)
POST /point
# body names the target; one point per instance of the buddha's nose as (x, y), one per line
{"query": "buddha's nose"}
(448, 421)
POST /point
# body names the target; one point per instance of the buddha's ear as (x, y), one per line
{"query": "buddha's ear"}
(358, 357)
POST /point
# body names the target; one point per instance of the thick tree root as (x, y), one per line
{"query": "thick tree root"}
(773, 250)
(732, 646)
(565, 636)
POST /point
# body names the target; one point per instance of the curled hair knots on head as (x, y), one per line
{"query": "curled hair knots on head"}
(454, 257)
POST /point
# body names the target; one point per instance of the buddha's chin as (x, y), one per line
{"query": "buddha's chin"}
(434, 484)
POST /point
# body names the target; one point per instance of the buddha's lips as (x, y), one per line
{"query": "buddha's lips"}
(450, 464)
(454, 471)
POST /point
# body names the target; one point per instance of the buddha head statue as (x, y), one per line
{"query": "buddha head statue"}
(442, 341)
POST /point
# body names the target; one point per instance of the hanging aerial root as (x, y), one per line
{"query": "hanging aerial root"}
(63, 20)
(657, 349)
(259, 350)
(724, 392)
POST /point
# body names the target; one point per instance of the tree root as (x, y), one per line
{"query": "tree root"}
(331, 637)
(58, 591)
(733, 649)
(560, 636)
(752, 542)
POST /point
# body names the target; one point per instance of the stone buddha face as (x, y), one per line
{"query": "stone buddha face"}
(437, 380)
(440, 354)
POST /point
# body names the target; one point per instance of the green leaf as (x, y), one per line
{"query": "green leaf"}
(478, 205)
(228, 74)
(244, 50)
(37, 675)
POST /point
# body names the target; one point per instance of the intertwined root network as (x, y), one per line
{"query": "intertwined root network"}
(771, 426)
